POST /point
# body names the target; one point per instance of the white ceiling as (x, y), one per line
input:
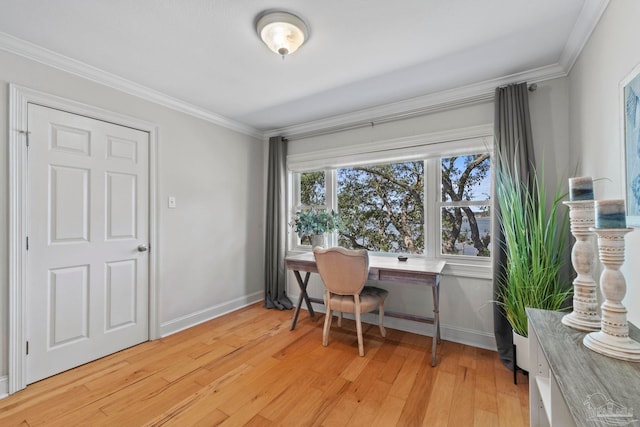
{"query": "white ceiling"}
(206, 55)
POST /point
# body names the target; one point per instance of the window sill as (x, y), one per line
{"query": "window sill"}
(476, 271)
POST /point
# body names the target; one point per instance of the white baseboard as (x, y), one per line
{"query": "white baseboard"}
(473, 338)
(185, 322)
(4, 386)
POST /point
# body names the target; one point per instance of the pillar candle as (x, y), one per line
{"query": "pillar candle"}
(610, 214)
(581, 188)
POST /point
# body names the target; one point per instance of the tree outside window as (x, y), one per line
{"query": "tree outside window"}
(383, 208)
(313, 189)
(465, 210)
(313, 195)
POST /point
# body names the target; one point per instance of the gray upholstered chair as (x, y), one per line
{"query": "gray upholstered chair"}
(344, 273)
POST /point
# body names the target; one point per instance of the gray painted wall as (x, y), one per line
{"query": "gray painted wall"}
(596, 108)
(210, 246)
(466, 309)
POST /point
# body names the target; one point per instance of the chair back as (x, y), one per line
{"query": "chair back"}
(343, 271)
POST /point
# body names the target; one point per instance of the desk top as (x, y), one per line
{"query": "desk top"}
(306, 262)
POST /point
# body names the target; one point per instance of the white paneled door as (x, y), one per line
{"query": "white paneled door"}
(87, 258)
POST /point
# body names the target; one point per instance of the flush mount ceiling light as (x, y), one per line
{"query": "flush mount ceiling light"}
(282, 32)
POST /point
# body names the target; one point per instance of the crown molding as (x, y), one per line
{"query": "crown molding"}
(475, 93)
(586, 22)
(417, 106)
(52, 59)
(590, 15)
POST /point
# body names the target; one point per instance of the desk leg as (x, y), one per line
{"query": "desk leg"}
(302, 284)
(436, 322)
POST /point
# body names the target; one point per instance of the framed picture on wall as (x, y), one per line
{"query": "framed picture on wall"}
(630, 91)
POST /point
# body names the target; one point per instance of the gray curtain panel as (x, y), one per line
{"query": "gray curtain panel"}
(512, 130)
(276, 227)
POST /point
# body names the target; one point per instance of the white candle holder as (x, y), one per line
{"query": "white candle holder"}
(584, 316)
(613, 339)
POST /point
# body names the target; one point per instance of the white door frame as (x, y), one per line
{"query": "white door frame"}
(19, 99)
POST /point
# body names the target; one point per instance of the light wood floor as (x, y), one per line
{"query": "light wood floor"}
(247, 368)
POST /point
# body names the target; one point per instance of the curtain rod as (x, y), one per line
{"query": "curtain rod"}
(391, 117)
(360, 124)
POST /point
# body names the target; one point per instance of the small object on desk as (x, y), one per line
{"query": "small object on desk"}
(610, 214)
(402, 258)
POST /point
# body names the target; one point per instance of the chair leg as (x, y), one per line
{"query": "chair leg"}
(359, 326)
(327, 326)
(383, 332)
(340, 319)
(327, 319)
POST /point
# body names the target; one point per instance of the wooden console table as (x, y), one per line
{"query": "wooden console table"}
(416, 271)
(572, 385)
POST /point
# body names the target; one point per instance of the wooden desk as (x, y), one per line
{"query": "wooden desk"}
(415, 271)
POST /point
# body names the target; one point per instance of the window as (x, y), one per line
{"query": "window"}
(313, 189)
(423, 202)
(382, 207)
(311, 194)
(465, 212)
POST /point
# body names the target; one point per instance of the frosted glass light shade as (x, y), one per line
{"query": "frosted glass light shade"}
(282, 32)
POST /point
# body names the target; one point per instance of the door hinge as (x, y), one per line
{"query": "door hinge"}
(26, 133)
(27, 242)
(27, 347)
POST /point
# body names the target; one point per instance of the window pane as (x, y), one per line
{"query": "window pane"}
(312, 188)
(382, 207)
(466, 178)
(466, 231)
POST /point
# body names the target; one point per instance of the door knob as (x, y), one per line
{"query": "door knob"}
(143, 248)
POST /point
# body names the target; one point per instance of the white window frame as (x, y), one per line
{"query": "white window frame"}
(296, 205)
(440, 204)
(429, 148)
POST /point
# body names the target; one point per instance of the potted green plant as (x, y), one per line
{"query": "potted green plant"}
(535, 236)
(311, 225)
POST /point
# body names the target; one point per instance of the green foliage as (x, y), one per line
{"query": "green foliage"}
(461, 176)
(312, 188)
(382, 207)
(535, 238)
(313, 221)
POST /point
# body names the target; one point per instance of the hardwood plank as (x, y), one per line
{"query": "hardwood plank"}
(389, 412)
(392, 368)
(259, 421)
(321, 407)
(404, 380)
(418, 400)
(353, 370)
(362, 386)
(440, 402)
(283, 404)
(463, 399)
(486, 402)
(369, 406)
(247, 368)
(342, 411)
(509, 413)
(202, 406)
(485, 419)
